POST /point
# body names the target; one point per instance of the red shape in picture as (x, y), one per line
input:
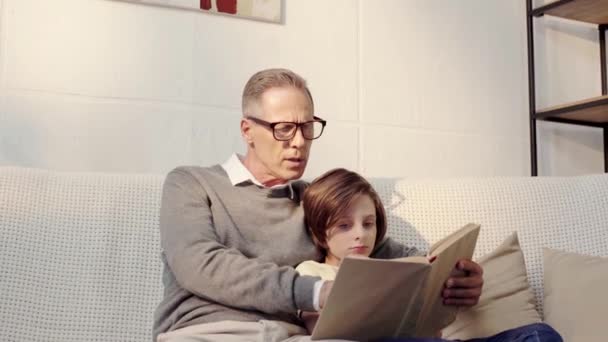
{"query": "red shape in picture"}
(206, 4)
(226, 6)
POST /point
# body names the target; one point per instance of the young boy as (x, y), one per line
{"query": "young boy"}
(344, 216)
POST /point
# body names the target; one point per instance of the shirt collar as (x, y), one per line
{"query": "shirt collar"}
(238, 173)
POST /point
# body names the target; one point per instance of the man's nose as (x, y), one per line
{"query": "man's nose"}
(298, 138)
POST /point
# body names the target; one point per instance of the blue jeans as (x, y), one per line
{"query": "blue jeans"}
(538, 332)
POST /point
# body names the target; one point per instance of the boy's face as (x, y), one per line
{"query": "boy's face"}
(353, 233)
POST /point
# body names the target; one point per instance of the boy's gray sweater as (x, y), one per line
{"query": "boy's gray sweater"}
(229, 251)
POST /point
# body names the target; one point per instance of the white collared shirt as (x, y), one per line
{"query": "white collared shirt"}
(239, 173)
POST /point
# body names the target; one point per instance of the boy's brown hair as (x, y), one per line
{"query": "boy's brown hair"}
(327, 198)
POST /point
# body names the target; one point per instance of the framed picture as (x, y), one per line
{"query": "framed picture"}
(265, 10)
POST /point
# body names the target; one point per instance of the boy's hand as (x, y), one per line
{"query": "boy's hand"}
(310, 320)
(463, 288)
(325, 290)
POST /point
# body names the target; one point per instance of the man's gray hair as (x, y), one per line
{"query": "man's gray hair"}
(272, 78)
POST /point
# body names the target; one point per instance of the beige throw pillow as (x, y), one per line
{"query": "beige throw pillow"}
(576, 304)
(506, 302)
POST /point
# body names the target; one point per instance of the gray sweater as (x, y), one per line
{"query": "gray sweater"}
(229, 251)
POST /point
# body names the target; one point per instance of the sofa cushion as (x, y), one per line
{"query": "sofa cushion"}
(507, 301)
(576, 304)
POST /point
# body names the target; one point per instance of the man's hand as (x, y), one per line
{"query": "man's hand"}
(325, 290)
(463, 288)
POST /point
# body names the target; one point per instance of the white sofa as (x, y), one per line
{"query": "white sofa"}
(79, 252)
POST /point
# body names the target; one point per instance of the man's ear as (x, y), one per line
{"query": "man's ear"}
(246, 131)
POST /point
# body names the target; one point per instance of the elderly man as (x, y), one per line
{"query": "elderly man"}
(232, 233)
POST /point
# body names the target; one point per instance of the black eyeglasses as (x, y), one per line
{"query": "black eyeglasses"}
(285, 130)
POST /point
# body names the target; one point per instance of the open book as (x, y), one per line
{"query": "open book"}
(373, 298)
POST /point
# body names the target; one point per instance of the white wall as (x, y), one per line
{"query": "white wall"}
(419, 88)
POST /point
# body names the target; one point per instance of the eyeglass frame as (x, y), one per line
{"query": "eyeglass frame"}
(299, 125)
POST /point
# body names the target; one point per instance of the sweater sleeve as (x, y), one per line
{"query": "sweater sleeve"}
(389, 249)
(205, 267)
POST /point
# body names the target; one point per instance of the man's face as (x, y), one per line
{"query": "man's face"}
(279, 161)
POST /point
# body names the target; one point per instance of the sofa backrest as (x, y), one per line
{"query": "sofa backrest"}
(80, 251)
(79, 255)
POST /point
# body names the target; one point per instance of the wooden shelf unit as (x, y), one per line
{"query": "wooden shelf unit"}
(588, 112)
(589, 11)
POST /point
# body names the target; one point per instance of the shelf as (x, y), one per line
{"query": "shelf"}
(589, 11)
(592, 112)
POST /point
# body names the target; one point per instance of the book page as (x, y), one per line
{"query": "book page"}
(456, 246)
(369, 298)
(447, 241)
